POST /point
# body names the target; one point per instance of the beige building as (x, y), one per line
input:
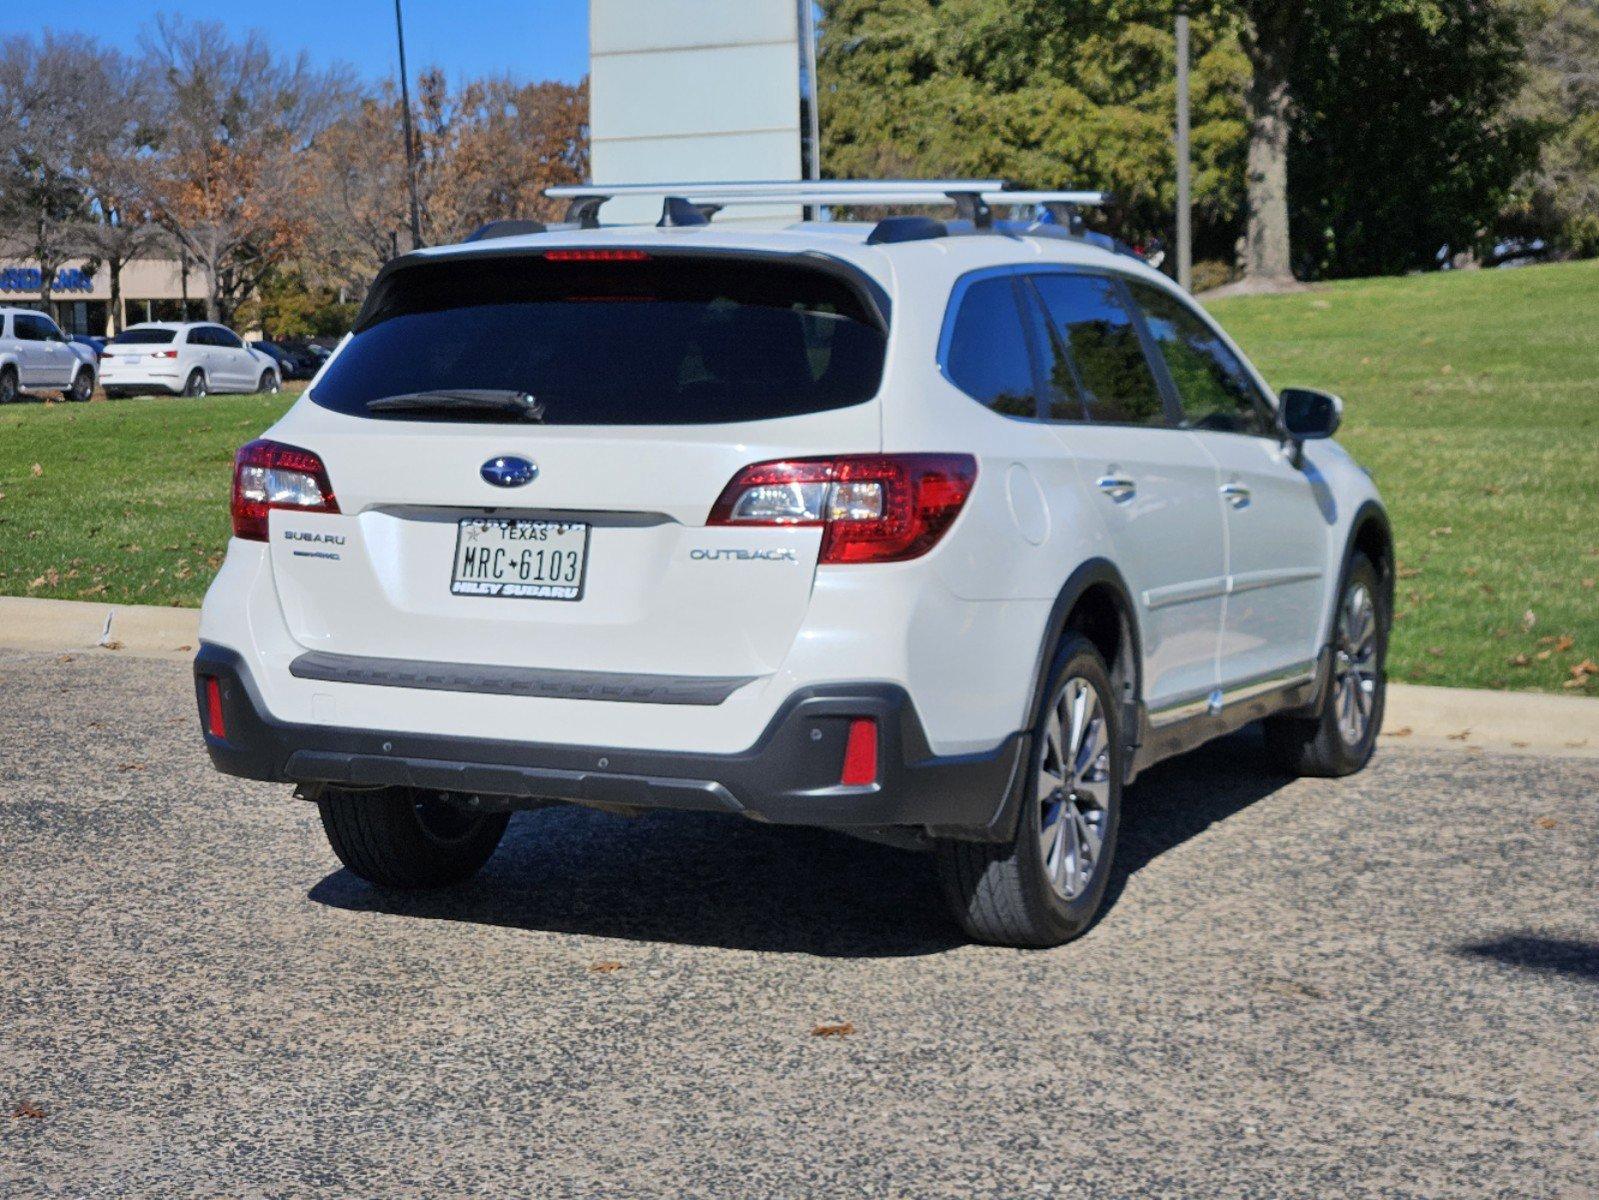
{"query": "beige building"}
(152, 290)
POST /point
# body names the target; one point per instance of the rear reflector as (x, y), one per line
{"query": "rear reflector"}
(860, 754)
(268, 475)
(215, 724)
(871, 507)
(596, 255)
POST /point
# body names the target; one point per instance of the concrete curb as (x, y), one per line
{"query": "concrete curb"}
(142, 631)
(1447, 718)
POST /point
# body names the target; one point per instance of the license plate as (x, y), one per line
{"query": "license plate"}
(526, 560)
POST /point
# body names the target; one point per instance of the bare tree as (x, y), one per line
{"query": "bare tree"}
(236, 121)
(115, 164)
(47, 100)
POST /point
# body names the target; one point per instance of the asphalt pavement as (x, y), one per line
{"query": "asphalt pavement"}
(1380, 986)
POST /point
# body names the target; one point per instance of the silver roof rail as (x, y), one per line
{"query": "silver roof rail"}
(973, 199)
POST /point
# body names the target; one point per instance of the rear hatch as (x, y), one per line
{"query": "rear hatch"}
(525, 448)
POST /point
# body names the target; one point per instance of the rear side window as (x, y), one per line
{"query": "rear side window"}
(987, 355)
(143, 337)
(1096, 352)
(1215, 389)
(648, 341)
(30, 328)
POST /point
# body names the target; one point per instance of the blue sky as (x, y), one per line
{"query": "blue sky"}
(527, 39)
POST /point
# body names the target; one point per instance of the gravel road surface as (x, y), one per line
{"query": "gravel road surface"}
(1383, 986)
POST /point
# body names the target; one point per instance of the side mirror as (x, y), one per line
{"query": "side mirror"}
(1307, 414)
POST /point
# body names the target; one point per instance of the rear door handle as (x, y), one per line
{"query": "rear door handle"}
(1118, 487)
(1236, 494)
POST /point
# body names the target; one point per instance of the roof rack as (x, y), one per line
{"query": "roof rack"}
(974, 199)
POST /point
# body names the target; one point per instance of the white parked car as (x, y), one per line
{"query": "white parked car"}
(36, 356)
(934, 534)
(184, 359)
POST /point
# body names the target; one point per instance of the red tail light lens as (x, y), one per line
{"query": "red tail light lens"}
(163, 354)
(215, 724)
(872, 507)
(860, 754)
(268, 475)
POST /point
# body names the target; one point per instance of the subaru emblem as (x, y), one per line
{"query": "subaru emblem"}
(509, 471)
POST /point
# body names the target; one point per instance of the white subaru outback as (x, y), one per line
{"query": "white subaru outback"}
(933, 533)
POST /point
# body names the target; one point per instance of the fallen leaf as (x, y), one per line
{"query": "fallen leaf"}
(65, 658)
(1470, 572)
(1547, 822)
(29, 1110)
(604, 967)
(1493, 489)
(1461, 736)
(1543, 655)
(1588, 583)
(182, 649)
(1586, 667)
(1448, 369)
(113, 644)
(130, 766)
(1402, 731)
(833, 1029)
(1441, 531)
(38, 470)
(1501, 634)
(1436, 651)
(1409, 572)
(1574, 683)
(1520, 745)
(1528, 620)
(1519, 660)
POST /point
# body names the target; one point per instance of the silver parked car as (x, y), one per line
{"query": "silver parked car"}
(36, 355)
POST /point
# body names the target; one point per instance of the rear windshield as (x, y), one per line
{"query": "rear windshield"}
(143, 337)
(659, 341)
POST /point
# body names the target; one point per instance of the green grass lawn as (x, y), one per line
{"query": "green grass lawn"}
(1473, 398)
(121, 500)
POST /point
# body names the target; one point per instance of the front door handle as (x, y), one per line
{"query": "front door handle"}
(1236, 494)
(1118, 487)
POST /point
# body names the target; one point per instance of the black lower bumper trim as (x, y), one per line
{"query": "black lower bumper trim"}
(789, 776)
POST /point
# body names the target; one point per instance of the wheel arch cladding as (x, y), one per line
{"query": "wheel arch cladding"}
(1095, 602)
(1370, 535)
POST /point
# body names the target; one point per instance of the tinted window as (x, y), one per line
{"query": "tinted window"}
(987, 356)
(31, 328)
(1096, 352)
(224, 337)
(200, 337)
(143, 337)
(662, 341)
(1216, 392)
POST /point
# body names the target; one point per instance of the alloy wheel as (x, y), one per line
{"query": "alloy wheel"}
(1355, 664)
(1073, 788)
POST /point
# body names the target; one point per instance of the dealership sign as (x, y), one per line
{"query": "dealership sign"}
(31, 279)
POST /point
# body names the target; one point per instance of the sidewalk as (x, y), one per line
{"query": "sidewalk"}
(1537, 723)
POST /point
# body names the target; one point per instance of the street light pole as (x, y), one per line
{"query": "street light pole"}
(405, 118)
(813, 120)
(1185, 235)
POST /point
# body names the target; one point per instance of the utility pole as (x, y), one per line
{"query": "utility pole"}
(405, 117)
(1185, 233)
(813, 120)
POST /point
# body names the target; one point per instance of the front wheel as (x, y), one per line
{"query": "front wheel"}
(82, 386)
(406, 837)
(1340, 737)
(8, 384)
(195, 384)
(1045, 885)
(268, 383)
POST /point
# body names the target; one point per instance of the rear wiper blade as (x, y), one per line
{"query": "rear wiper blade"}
(443, 400)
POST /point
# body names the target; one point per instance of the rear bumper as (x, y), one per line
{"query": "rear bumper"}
(789, 776)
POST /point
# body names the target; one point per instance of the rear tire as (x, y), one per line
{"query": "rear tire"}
(8, 385)
(1046, 884)
(82, 386)
(408, 838)
(1339, 739)
(195, 384)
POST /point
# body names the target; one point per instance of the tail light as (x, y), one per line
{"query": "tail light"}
(163, 354)
(871, 507)
(268, 475)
